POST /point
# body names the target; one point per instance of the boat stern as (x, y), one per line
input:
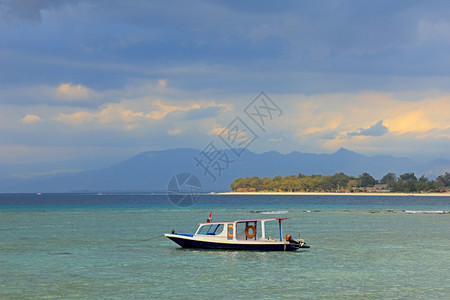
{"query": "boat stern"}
(298, 244)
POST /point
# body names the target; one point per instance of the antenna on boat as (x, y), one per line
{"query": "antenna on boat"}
(209, 218)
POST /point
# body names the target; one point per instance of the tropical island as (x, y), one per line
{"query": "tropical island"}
(341, 183)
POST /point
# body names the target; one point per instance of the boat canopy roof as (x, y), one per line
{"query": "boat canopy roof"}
(245, 221)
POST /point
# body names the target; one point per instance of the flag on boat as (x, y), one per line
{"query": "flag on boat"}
(209, 218)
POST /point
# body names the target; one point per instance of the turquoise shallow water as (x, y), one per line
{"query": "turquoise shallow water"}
(372, 251)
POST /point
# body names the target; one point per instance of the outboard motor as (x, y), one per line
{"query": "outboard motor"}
(300, 243)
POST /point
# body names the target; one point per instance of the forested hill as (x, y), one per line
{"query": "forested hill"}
(340, 182)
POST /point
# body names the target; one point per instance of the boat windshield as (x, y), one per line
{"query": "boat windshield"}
(212, 229)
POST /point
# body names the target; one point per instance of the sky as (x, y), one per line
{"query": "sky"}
(84, 84)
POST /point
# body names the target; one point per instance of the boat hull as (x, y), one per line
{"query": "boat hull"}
(190, 241)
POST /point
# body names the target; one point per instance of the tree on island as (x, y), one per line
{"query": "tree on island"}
(366, 180)
(388, 178)
(339, 182)
(444, 179)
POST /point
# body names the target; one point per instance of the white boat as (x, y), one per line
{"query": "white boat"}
(238, 235)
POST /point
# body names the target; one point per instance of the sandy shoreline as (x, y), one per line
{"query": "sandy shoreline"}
(335, 194)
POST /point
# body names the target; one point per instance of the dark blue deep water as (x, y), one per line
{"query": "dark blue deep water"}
(162, 200)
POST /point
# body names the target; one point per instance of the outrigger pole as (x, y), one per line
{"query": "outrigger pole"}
(279, 223)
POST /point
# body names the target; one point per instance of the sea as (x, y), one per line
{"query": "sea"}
(111, 246)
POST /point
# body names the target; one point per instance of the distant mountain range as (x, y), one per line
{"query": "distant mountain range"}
(153, 170)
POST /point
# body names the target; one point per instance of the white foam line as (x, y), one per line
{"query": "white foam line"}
(281, 212)
(427, 212)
